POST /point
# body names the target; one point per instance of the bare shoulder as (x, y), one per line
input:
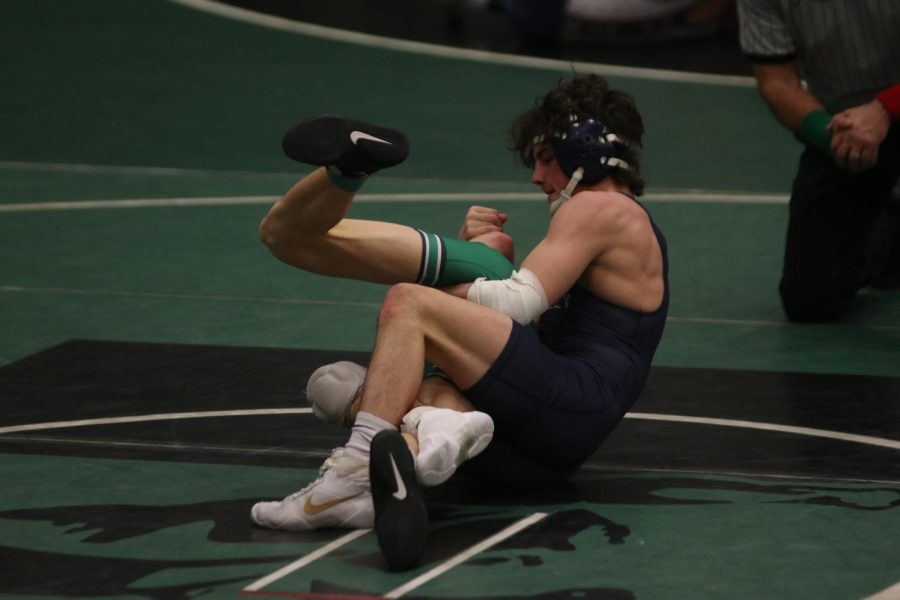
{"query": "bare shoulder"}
(604, 211)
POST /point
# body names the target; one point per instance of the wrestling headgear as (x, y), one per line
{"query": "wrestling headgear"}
(589, 144)
(587, 152)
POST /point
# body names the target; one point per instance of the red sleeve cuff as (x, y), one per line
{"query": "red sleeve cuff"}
(890, 99)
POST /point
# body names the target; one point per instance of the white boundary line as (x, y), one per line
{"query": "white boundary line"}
(691, 196)
(95, 169)
(808, 431)
(60, 167)
(16, 289)
(823, 433)
(204, 297)
(155, 417)
(352, 37)
(465, 555)
(305, 560)
(181, 446)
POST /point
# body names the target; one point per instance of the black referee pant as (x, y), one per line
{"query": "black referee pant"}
(843, 232)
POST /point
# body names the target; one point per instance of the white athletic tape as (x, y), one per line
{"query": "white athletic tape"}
(521, 297)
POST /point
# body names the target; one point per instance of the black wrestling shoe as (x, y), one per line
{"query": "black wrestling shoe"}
(355, 147)
(401, 519)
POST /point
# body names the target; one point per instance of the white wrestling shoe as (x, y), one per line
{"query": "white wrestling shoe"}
(332, 388)
(447, 438)
(341, 496)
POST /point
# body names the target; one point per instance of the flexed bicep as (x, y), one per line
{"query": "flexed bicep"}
(573, 241)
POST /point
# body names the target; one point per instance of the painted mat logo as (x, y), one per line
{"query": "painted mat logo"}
(70, 559)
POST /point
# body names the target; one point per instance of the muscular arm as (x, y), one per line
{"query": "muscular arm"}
(574, 239)
(580, 231)
(781, 88)
(603, 240)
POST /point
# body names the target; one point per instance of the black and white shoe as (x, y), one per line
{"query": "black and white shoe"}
(356, 148)
(401, 519)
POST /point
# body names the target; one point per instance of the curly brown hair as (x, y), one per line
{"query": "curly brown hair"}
(589, 96)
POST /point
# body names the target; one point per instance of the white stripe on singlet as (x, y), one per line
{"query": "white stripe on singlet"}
(847, 50)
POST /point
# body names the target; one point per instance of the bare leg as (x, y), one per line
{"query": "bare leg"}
(307, 229)
(416, 323)
(463, 339)
(436, 392)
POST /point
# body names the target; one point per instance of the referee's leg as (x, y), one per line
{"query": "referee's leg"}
(833, 217)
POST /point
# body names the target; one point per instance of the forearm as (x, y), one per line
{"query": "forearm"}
(787, 99)
(793, 106)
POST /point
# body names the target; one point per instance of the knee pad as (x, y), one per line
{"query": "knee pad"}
(332, 388)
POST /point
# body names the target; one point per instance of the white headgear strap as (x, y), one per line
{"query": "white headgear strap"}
(566, 194)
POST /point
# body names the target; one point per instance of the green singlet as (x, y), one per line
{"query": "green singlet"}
(447, 261)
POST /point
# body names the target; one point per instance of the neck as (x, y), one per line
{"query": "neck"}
(607, 184)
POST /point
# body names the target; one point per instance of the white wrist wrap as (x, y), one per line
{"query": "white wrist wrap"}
(521, 297)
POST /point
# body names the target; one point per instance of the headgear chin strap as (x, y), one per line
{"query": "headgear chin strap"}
(566, 194)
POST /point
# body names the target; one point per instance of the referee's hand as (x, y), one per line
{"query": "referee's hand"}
(856, 135)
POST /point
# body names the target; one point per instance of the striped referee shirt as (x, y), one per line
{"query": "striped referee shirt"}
(846, 50)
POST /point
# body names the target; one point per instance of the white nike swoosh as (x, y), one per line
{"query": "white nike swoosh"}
(400, 494)
(355, 136)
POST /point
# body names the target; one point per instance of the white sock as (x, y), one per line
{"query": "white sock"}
(364, 429)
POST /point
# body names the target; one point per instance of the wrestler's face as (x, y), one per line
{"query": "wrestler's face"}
(547, 173)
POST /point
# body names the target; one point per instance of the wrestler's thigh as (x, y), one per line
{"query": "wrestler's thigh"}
(374, 251)
(462, 338)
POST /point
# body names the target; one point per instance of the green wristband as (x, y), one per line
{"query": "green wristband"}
(814, 130)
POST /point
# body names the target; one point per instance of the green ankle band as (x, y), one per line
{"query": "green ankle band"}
(345, 182)
(814, 130)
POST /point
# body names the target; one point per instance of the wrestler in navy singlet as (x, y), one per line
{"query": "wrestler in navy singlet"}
(555, 396)
(615, 339)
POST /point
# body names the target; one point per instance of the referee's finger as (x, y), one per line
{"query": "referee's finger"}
(840, 150)
(867, 158)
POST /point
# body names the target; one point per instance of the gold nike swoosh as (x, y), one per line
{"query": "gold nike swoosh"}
(311, 508)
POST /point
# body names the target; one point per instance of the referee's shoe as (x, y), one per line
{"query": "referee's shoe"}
(401, 518)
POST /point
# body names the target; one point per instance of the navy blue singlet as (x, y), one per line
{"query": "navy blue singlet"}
(616, 339)
(556, 396)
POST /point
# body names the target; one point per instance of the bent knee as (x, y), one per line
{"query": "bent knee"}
(277, 238)
(401, 300)
(806, 305)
